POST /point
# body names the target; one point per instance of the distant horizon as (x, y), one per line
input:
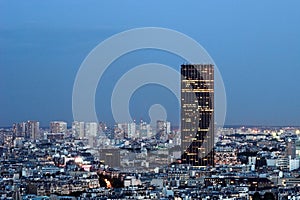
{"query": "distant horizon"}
(255, 48)
(177, 126)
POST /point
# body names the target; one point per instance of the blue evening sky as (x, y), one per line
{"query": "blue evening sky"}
(256, 45)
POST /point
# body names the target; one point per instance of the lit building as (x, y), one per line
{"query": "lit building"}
(58, 127)
(291, 148)
(28, 130)
(110, 157)
(78, 129)
(226, 157)
(197, 114)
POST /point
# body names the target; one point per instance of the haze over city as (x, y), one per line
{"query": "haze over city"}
(255, 45)
(170, 100)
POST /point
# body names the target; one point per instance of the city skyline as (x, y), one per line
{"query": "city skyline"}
(149, 100)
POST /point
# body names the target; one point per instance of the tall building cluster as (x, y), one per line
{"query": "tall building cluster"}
(135, 130)
(28, 130)
(83, 130)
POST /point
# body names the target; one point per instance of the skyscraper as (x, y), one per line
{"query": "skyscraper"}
(197, 114)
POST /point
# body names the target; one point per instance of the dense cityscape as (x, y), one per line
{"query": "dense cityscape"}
(162, 100)
(62, 163)
(136, 160)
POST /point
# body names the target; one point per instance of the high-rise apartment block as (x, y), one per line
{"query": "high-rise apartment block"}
(78, 129)
(58, 127)
(28, 130)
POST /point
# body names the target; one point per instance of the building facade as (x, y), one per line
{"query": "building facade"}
(163, 129)
(78, 129)
(91, 131)
(197, 114)
(28, 130)
(58, 127)
(33, 129)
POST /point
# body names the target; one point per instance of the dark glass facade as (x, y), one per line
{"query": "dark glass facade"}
(197, 114)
